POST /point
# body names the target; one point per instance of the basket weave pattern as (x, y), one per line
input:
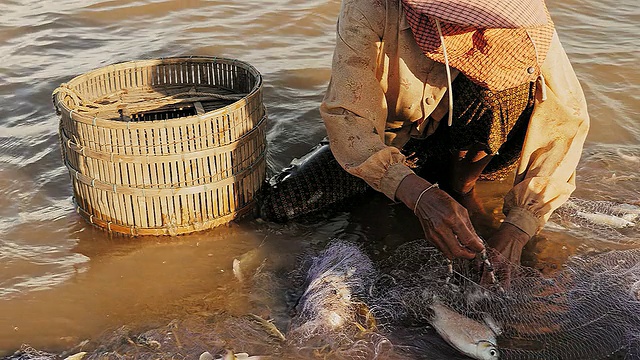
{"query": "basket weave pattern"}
(197, 167)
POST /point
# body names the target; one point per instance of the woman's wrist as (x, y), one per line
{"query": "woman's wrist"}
(524, 220)
(410, 189)
(515, 233)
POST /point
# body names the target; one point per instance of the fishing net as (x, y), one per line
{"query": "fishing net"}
(341, 313)
(607, 175)
(598, 219)
(332, 316)
(26, 352)
(346, 306)
(588, 310)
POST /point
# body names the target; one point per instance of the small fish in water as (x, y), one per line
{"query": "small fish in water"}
(78, 356)
(468, 336)
(248, 264)
(630, 158)
(206, 356)
(269, 327)
(630, 217)
(630, 212)
(230, 355)
(604, 219)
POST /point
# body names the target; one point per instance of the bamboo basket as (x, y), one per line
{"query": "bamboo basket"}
(164, 147)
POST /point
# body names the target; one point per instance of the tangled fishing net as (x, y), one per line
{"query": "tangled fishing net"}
(331, 316)
(26, 352)
(599, 219)
(312, 184)
(608, 176)
(589, 310)
(352, 308)
(348, 307)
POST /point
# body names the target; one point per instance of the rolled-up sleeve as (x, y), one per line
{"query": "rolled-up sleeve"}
(354, 108)
(552, 148)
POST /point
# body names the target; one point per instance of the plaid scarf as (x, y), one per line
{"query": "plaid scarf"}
(498, 44)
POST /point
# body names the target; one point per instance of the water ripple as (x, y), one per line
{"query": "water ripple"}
(44, 43)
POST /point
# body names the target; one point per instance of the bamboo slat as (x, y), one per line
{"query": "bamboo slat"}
(164, 147)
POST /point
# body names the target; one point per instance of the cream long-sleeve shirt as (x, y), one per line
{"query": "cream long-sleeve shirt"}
(381, 80)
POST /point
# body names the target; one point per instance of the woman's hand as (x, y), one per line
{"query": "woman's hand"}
(507, 244)
(509, 241)
(445, 222)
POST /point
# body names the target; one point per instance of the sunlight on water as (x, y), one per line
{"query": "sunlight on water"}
(62, 281)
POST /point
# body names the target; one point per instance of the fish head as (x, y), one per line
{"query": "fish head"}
(486, 350)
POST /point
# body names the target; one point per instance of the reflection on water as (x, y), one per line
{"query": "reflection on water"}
(62, 281)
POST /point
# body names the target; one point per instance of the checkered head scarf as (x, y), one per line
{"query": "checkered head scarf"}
(498, 44)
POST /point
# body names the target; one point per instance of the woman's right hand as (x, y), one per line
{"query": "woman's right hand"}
(445, 222)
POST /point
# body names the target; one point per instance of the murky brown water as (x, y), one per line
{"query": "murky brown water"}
(62, 281)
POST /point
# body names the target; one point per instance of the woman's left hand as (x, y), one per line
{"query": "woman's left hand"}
(509, 241)
(507, 244)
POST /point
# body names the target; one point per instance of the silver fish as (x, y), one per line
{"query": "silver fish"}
(604, 219)
(468, 336)
(630, 212)
(78, 356)
(249, 263)
(230, 355)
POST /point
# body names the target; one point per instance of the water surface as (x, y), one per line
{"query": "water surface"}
(62, 281)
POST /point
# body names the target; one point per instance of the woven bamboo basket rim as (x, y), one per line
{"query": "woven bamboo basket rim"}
(159, 158)
(79, 116)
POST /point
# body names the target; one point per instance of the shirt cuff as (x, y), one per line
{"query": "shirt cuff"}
(524, 220)
(392, 179)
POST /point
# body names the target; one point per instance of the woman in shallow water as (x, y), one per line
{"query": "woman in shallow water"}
(427, 92)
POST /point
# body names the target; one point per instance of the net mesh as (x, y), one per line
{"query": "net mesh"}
(26, 352)
(588, 310)
(599, 219)
(332, 316)
(347, 306)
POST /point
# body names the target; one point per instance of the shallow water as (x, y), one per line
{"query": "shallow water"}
(62, 281)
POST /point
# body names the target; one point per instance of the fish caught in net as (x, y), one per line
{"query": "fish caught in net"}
(599, 219)
(402, 307)
(332, 316)
(588, 310)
